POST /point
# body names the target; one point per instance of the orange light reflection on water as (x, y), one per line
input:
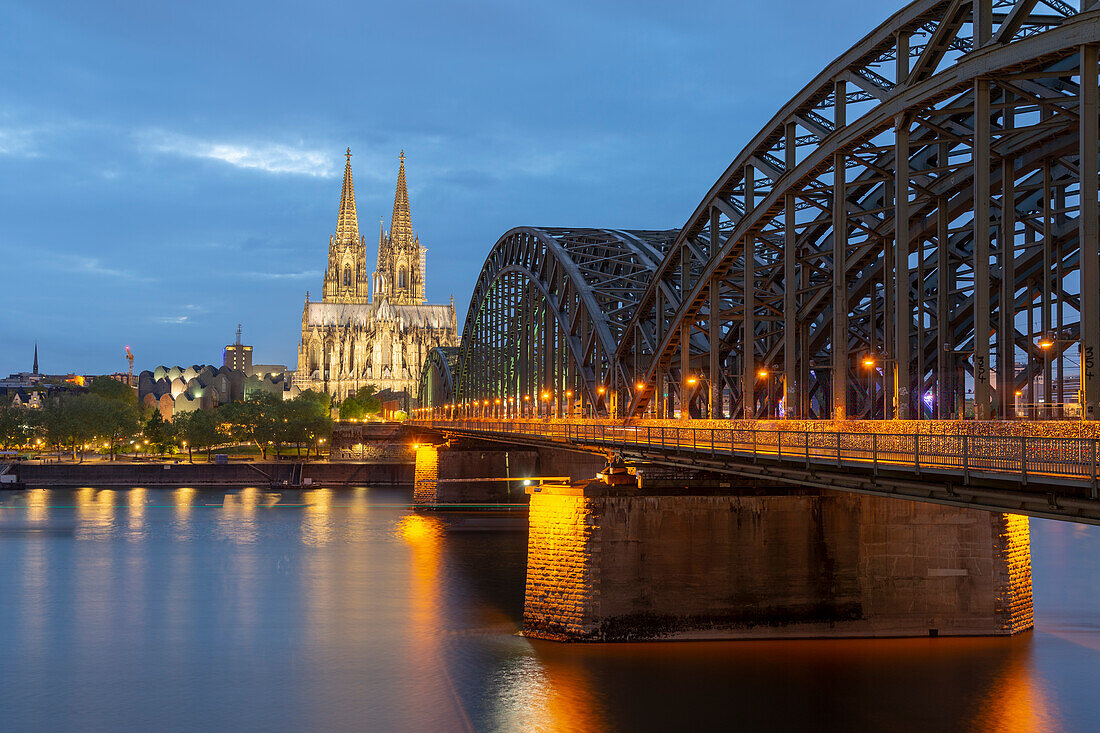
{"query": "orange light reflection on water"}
(548, 693)
(317, 525)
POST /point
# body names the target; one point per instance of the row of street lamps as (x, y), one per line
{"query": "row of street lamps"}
(545, 403)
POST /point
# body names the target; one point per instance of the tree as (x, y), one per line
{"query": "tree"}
(197, 429)
(361, 404)
(321, 401)
(257, 419)
(17, 425)
(306, 422)
(158, 431)
(366, 395)
(112, 389)
(73, 421)
(352, 409)
(116, 418)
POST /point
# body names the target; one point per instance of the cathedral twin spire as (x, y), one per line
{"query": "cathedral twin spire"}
(400, 273)
(347, 223)
(401, 221)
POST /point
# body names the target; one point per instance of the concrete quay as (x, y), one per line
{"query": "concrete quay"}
(174, 475)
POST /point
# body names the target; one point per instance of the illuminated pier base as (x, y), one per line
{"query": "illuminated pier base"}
(607, 567)
(437, 467)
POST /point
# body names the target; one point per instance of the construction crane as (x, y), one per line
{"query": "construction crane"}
(130, 358)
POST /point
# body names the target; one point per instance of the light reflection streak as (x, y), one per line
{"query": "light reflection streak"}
(95, 513)
(236, 522)
(357, 525)
(317, 525)
(35, 596)
(538, 693)
(1018, 701)
(424, 536)
(136, 515)
(38, 505)
(183, 501)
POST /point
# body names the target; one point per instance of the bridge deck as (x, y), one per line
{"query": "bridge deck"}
(1032, 474)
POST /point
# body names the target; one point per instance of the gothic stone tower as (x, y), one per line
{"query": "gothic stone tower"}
(351, 338)
(345, 276)
(400, 275)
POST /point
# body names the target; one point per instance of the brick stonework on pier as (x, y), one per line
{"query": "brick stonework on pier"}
(817, 564)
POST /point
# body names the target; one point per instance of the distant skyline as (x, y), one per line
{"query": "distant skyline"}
(172, 170)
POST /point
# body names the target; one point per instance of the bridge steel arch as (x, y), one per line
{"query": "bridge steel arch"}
(921, 206)
(547, 314)
(437, 376)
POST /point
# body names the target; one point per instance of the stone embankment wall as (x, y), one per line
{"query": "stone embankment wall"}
(377, 442)
(208, 474)
(605, 568)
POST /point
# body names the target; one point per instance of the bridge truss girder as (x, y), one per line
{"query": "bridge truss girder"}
(547, 314)
(991, 107)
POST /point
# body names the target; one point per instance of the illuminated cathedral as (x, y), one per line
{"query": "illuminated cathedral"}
(373, 330)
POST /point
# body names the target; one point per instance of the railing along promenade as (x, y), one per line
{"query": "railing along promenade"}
(1062, 473)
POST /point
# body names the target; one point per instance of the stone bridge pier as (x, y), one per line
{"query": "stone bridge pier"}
(615, 563)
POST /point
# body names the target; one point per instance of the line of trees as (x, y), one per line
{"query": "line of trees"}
(361, 405)
(107, 418)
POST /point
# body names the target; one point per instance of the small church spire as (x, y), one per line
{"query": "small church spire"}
(35, 368)
(401, 222)
(347, 223)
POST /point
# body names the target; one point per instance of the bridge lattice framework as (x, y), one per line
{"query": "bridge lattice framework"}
(913, 221)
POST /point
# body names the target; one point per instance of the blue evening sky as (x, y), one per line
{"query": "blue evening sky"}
(171, 169)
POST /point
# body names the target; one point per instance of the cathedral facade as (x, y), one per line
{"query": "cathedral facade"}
(373, 330)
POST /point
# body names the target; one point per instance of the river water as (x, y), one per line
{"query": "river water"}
(327, 610)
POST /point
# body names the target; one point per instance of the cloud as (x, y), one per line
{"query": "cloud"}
(172, 320)
(266, 157)
(279, 275)
(17, 142)
(94, 266)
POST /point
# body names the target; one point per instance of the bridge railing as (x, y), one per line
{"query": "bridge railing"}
(1018, 456)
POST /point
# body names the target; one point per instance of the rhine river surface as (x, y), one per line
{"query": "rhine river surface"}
(185, 610)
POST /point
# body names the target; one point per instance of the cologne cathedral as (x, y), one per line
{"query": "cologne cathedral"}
(375, 330)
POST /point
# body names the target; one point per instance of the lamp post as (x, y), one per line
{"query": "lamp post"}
(763, 373)
(1049, 343)
(685, 399)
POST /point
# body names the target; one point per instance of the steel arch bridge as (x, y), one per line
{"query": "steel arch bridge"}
(913, 220)
(548, 312)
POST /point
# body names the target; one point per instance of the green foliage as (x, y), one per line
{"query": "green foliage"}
(158, 432)
(352, 409)
(18, 426)
(73, 421)
(322, 401)
(117, 418)
(198, 429)
(112, 389)
(361, 404)
(258, 420)
(305, 423)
